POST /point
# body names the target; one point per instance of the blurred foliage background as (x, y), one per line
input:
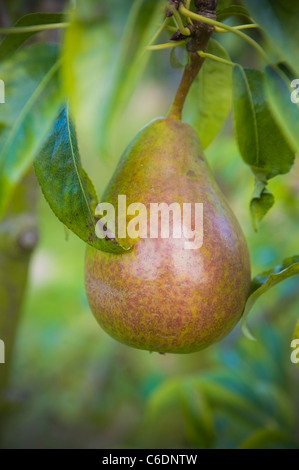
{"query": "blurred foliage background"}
(73, 386)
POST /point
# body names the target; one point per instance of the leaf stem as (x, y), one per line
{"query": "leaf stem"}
(216, 58)
(239, 27)
(34, 28)
(166, 45)
(159, 31)
(173, 29)
(203, 19)
(177, 16)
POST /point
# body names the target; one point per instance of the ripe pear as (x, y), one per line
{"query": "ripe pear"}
(160, 296)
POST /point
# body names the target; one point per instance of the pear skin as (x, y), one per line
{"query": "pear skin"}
(160, 296)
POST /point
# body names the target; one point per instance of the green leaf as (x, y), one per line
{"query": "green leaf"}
(174, 60)
(33, 97)
(261, 202)
(279, 20)
(264, 281)
(66, 186)
(281, 98)
(132, 57)
(100, 80)
(261, 142)
(221, 4)
(198, 415)
(263, 438)
(216, 394)
(86, 67)
(12, 42)
(222, 397)
(90, 10)
(210, 97)
(233, 10)
(184, 399)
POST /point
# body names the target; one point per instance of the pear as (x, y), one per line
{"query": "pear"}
(160, 296)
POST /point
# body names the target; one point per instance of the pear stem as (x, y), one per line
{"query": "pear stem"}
(189, 75)
(200, 34)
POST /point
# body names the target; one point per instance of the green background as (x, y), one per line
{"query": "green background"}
(73, 386)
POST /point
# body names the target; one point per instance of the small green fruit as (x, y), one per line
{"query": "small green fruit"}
(160, 296)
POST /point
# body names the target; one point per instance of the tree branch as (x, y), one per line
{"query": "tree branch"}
(18, 237)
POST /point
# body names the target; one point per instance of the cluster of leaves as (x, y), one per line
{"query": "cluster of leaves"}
(266, 119)
(247, 405)
(40, 78)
